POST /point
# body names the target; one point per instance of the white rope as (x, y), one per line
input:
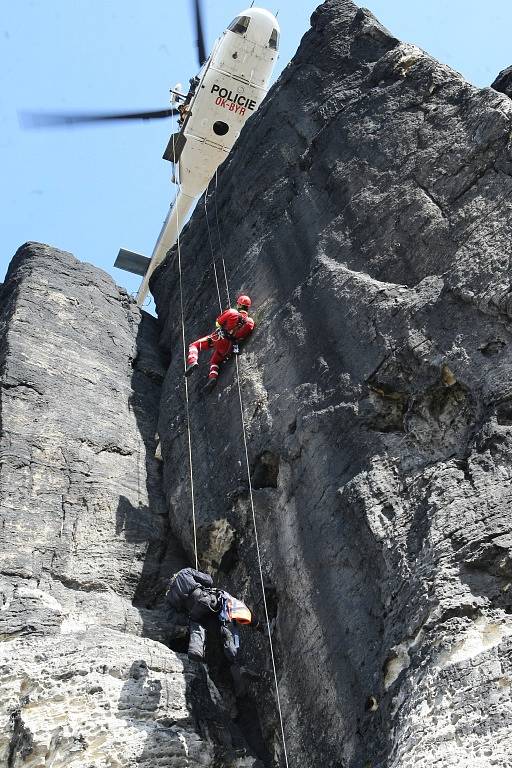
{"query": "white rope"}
(211, 249)
(260, 566)
(220, 241)
(194, 527)
(256, 538)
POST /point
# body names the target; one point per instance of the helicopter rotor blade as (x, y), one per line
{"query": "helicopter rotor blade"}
(201, 47)
(55, 119)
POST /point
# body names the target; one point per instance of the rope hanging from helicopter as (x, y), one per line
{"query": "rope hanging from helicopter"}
(248, 470)
(191, 468)
(212, 250)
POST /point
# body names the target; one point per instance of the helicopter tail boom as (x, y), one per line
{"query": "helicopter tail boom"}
(168, 236)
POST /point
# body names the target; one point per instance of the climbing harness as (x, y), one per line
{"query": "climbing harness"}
(194, 526)
(244, 435)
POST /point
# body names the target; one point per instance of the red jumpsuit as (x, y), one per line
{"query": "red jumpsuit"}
(232, 326)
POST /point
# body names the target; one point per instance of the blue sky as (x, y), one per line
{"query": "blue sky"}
(94, 189)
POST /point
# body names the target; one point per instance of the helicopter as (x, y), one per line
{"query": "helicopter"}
(229, 87)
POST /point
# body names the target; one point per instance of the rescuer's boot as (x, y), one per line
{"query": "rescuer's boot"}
(191, 368)
(211, 384)
(197, 642)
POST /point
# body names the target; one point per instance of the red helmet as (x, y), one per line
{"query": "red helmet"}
(243, 301)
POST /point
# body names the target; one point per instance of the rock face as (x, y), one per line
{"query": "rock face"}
(101, 698)
(366, 209)
(79, 495)
(503, 82)
(84, 536)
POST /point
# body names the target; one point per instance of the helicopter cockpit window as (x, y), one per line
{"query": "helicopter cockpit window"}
(274, 40)
(240, 25)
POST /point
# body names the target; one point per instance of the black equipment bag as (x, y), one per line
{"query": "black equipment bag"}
(183, 583)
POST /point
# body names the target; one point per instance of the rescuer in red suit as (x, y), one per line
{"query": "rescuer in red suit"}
(231, 327)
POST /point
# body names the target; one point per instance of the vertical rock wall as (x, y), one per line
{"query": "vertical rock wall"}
(84, 536)
(79, 506)
(366, 209)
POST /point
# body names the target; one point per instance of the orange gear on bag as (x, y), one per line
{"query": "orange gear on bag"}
(238, 611)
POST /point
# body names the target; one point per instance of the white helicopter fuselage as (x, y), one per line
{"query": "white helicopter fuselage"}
(232, 84)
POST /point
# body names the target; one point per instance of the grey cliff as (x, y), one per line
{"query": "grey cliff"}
(503, 82)
(366, 210)
(88, 678)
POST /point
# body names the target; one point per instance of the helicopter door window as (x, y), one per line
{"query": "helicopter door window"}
(240, 25)
(274, 40)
